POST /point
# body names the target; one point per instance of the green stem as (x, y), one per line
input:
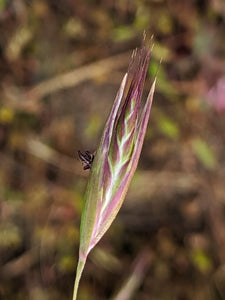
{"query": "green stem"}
(80, 267)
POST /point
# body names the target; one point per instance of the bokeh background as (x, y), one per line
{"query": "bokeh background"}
(61, 63)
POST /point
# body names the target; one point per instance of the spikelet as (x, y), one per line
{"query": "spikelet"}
(116, 158)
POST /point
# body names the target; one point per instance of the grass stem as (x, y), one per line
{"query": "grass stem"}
(80, 267)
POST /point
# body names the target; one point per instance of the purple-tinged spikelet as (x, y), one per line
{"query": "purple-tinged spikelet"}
(116, 157)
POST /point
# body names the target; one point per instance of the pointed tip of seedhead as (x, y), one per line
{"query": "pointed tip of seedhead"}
(112, 117)
(152, 90)
(143, 121)
(144, 35)
(150, 95)
(148, 40)
(159, 65)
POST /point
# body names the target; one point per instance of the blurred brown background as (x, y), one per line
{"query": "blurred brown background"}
(61, 63)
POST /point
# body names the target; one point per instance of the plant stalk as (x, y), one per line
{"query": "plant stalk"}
(80, 267)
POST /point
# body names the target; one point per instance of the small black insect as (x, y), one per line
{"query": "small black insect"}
(86, 158)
